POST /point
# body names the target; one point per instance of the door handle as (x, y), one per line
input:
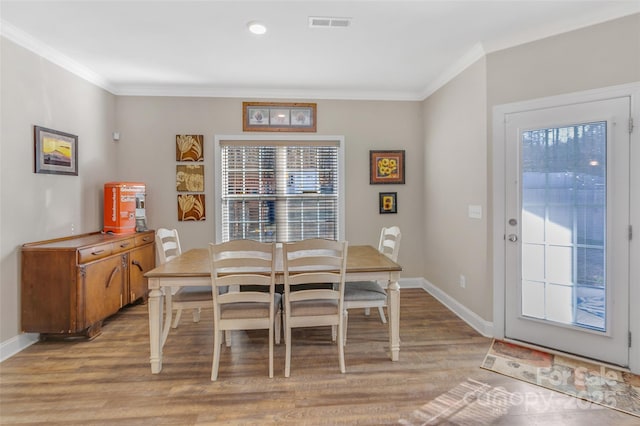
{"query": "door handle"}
(513, 238)
(112, 276)
(136, 263)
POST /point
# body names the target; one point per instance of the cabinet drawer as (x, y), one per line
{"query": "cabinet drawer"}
(144, 239)
(123, 245)
(90, 254)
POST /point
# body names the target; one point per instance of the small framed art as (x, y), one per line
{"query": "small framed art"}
(388, 202)
(55, 152)
(190, 177)
(278, 117)
(386, 167)
(191, 207)
(189, 147)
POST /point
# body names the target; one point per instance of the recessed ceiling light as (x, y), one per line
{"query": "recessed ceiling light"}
(257, 27)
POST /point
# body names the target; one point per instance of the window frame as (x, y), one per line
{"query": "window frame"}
(289, 139)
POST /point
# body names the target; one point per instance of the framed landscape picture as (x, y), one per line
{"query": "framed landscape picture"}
(55, 152)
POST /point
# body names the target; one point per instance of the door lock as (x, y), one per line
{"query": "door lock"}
(513, 238)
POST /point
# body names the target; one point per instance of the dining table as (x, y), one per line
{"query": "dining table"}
(192, 268)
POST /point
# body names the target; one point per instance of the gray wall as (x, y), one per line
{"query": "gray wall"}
(42, 206)
(456, 177)
(146, 152)
(458, 144)
(601, 55)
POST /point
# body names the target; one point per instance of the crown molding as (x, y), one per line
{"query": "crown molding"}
(55, 56)
(256, 92)
(36, 46)
(466, 60)
(617, 10)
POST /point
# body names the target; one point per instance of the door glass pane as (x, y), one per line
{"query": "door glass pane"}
(563, 221)
(533, 293)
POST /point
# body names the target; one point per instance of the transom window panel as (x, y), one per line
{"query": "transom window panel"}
(279, 190)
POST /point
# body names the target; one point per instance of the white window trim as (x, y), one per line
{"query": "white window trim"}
(217, 202)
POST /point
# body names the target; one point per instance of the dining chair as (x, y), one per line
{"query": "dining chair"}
(190, 297)
(372, 294)
(307, 263)
(236, 264)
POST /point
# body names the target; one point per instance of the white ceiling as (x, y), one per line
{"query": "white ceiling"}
(393, 50)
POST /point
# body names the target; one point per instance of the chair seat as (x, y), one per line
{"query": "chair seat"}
(192, 294)
(248, 309)
(314, 307)
(364, 290)
(195, 294)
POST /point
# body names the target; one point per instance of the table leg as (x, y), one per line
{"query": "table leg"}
(394, 319)
(155, 325)
(168, 314)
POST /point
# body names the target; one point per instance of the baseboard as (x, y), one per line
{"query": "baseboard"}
(412, 283)
(16, 344)
(476, 322)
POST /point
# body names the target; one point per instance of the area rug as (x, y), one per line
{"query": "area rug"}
(591, 382)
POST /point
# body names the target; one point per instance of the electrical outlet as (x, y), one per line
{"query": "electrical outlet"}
(463, 281)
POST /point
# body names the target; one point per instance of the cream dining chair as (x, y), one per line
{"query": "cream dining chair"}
(194, 297)
(307, 263)
(372, 294)
(236, 264)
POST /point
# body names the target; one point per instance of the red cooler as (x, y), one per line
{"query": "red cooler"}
(123, 203)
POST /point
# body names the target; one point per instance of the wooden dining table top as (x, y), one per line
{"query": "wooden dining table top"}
(196, 263)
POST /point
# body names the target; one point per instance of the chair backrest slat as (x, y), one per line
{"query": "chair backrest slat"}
(389, 244)
(315, 261)
(240, 262)
(167, 244)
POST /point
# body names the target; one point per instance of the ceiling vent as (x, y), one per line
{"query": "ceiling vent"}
(327, 22)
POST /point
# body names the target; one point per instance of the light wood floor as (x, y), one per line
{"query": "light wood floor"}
(108, 380)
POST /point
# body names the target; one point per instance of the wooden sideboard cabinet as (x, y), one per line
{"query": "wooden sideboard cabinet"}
(70, 285)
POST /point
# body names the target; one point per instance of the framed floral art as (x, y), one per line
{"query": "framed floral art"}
(189, 148)
(190, 178)
(386, 167)
(388, 202)
(191, 207)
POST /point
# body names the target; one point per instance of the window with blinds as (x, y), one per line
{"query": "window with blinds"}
(279, 190)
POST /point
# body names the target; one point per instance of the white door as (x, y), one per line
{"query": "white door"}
(567, 230)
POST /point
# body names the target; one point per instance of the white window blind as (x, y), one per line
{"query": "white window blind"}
(279, 190)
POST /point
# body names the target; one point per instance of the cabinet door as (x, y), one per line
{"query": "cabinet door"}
(141, 261)
(103, 288)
